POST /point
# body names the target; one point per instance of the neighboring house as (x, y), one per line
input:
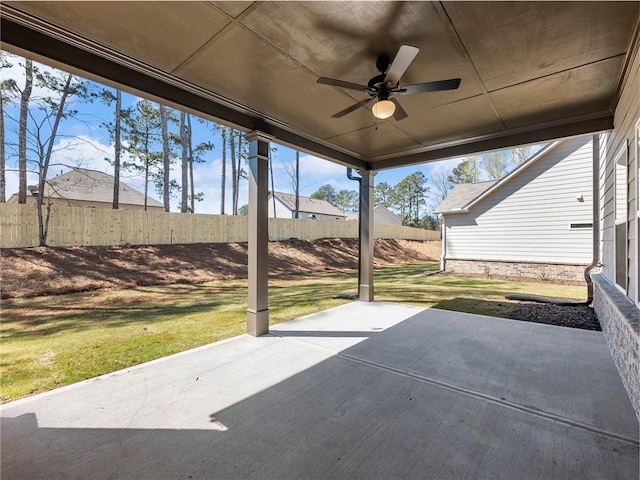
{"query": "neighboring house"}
(285, 207)
(381, 215)
(91, 189)
(537, 221)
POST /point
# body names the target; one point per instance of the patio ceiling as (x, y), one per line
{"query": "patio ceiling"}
(531, 71)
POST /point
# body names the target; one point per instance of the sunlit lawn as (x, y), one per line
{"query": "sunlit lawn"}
(48, 342)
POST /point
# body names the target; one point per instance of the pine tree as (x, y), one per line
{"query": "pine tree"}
(22, 132)
(142, 139)
(115, 132)
(184, 147)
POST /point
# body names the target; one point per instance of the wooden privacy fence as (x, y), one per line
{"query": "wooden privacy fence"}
(77, 227)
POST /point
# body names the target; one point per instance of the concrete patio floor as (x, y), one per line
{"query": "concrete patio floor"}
(369, 391)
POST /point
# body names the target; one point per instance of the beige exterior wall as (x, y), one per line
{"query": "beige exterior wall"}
(31, 200)
(74, 227)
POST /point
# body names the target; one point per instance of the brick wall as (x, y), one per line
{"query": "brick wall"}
(619, 319)
(542, 271)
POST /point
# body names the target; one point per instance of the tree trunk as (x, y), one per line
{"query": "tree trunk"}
(298, 184)
(190, 155)
(184, 207)
(273, 188)
(3, 181)
(146, 168)
(43, 223)
(166, 160)
(232, 147)
(117, 147)
(223, 135)
(238, 174)
(22, 133)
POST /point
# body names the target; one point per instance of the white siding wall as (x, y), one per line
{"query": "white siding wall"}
(281, 210)
(527, 218)
(284, 212)
(626, 118)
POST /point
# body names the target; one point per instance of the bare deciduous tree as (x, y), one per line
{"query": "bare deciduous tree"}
(441, 183)
(56, 111)
(521, 154)
(495, 165)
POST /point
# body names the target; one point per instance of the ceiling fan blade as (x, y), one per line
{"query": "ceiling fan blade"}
(400, 113)
(353, 107)
(341, 83)
(438, 86)
(403, 59)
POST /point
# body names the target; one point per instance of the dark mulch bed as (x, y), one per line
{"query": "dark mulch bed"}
(574, 316)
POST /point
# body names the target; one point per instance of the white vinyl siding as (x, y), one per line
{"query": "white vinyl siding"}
(627, 116)
(281, 211)
(528, 217)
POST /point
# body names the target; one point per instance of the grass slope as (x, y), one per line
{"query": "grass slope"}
(48, 342)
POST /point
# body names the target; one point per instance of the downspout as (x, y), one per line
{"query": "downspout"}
(443, 235)
(359, 180)
(350, 176)
(596, 219)
(595, 241)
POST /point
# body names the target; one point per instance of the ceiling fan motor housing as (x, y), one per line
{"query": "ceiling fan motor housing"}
(382, 64)
(376, 83)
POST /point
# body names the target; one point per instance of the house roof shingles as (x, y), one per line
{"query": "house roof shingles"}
(308, 205)
(92, 186)
(381, 215)
(462, 194)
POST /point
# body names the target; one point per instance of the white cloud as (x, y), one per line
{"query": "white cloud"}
(16, 72)
(82, 151)
(314, 172)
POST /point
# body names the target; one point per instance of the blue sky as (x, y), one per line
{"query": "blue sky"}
(83, 142)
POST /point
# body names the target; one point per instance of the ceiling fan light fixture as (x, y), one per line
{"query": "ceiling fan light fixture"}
(383, 109)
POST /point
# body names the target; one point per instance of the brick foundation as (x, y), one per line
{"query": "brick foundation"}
(619, 319)
(542, 271)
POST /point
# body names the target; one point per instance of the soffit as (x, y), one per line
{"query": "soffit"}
(524, 65)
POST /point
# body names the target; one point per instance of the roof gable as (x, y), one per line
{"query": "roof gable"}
(387, 214)
(464, 196)
(461, 195)
(93, 186)
(308, 205)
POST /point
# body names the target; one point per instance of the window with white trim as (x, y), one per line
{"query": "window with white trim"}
(621, 218)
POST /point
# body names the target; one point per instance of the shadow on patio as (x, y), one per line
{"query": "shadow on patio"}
(360, 391)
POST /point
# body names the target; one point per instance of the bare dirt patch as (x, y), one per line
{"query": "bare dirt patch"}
(28, 272)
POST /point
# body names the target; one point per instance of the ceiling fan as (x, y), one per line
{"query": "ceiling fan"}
(383, 86)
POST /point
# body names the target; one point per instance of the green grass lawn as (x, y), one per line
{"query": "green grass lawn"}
(48, 342)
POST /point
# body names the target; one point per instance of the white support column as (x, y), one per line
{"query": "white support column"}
(258, 310)
(365, 236)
